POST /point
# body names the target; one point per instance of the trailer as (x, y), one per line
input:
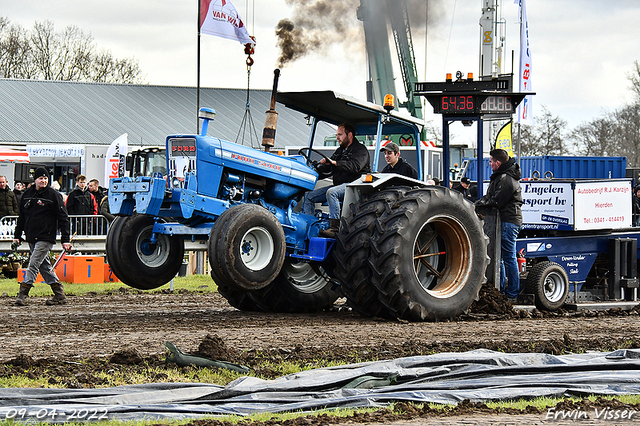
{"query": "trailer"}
(556, 166)
(577, 242)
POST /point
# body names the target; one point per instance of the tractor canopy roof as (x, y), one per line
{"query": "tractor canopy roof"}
(336, 108)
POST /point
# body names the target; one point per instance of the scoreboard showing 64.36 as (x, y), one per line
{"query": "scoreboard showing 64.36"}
(473, 104)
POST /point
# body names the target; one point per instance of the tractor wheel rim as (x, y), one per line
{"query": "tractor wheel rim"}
(303, 277)
(152, 255)
(257, 248)
(442, 256)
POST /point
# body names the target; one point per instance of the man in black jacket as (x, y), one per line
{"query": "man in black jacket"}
(81, 202)
(42, 213)
(18, 190)
(505, 194)
(348, 163)
(395, 163)
(8, 203)
(97, 191)
(462, 186)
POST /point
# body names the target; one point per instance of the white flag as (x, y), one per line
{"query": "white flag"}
(114, 160)
(525, 110)
(220, 18)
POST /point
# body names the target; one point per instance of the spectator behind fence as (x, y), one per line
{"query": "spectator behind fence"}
(18, 190)
(81, 202)
(8, 203)
(56, 186)
(97, 191)
(104, 209)
(100, 194)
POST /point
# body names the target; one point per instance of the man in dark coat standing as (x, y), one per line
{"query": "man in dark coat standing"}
(505, 194)
(42, 214)
(81, 202)
(18, 190)
(8, 203)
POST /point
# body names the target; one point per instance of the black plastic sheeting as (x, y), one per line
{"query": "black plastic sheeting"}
(446, 378)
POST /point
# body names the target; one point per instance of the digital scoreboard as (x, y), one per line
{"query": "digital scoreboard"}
(466, 104)
(472, 104)
(490, 98)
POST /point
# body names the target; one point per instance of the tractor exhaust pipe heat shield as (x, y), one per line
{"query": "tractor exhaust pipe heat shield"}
(271, 119)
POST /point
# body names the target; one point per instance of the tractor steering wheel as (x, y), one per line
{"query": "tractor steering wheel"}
(306, 153)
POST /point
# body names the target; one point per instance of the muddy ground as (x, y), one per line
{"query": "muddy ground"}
(128, 329)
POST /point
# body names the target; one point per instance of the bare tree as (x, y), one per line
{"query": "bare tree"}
(634, 77)
(15, 51)
(627, 133)
(432, 133)
(70, 55)
(596, 138)
(546, 137)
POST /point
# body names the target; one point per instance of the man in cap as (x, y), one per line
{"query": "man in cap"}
(463, 186)
(395, 163)
(41, 214)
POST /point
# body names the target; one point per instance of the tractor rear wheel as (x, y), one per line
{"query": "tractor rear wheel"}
(549, 282)
(237, 297)
(137, 261)
(299, 288)
(351, 253)
(429, 255)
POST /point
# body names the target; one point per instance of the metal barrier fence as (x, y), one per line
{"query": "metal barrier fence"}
(89, 236)
(89, 233)
(81, 225)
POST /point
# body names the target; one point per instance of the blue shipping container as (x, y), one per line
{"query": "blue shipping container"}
(562, 167)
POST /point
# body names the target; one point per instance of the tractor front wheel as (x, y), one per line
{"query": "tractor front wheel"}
(247, 247)
(136, 260)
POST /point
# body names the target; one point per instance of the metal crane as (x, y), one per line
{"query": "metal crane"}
(377, 16)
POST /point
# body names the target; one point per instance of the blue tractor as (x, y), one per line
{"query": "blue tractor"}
(405, 249)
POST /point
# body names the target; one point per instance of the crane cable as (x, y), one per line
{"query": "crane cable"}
(247, 119)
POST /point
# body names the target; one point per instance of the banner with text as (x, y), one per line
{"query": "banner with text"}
(525, 110)
(576, 205)
(114, 160)
(220, 18)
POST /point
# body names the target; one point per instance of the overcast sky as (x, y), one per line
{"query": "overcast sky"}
(582, 50)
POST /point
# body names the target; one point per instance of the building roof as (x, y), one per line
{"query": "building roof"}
(58, 112)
